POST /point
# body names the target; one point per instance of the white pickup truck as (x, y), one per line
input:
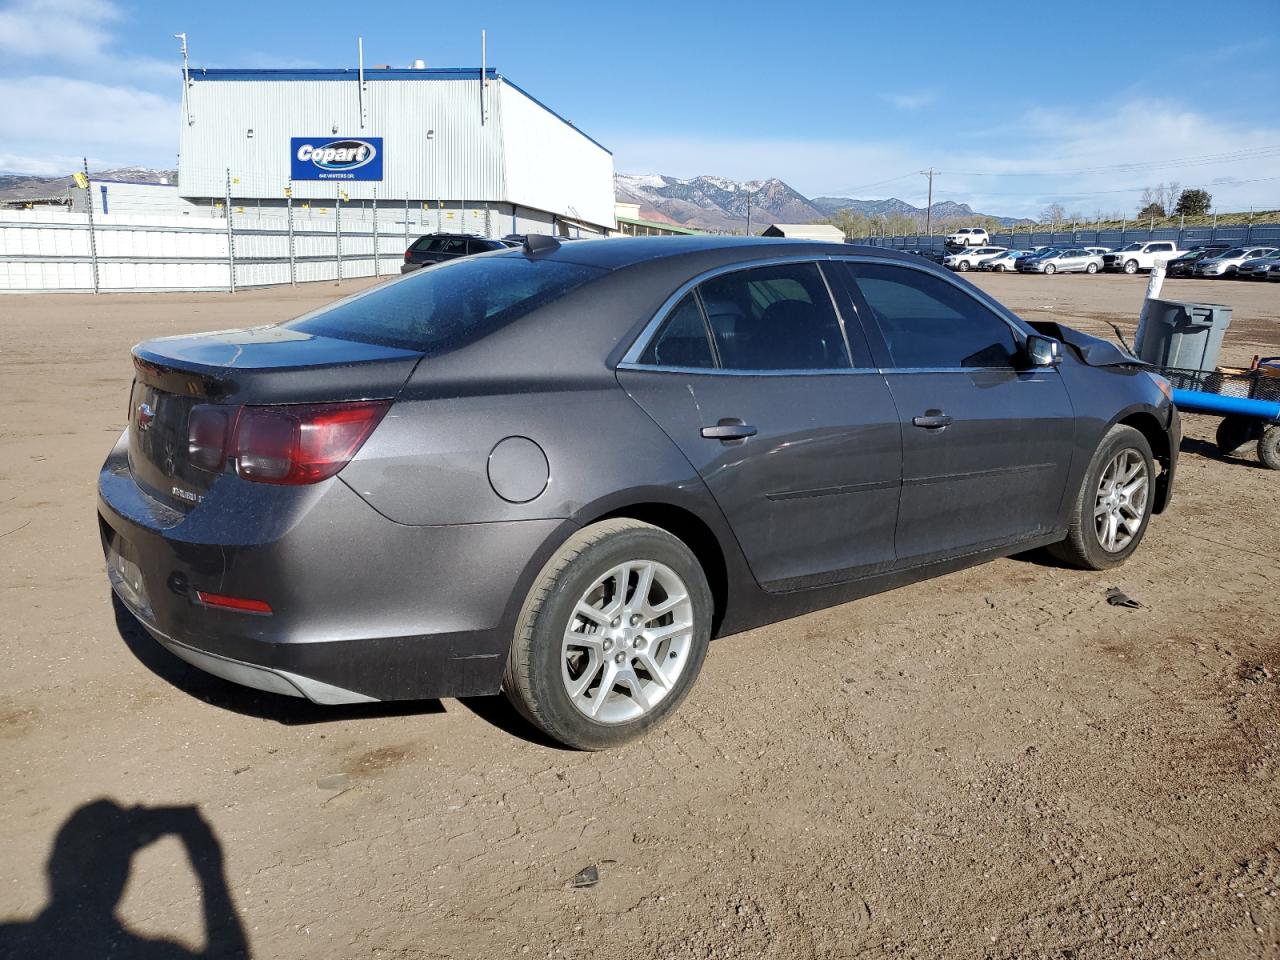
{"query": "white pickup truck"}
(1140, 255)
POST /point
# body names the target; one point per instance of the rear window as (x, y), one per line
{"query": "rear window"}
(448, 305)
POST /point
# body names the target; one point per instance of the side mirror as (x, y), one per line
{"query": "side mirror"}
(1043, 351)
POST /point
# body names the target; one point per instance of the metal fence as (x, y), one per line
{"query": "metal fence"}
(55, 251)
(1243, 234)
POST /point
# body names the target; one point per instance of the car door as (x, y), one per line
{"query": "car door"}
(797, 439)
(986, 441)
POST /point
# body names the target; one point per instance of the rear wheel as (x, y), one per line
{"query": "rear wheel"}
(1091, 268)
(1269, 447)
(612, 636)
(1114, 504)
(1131, 266)
(1235, 431)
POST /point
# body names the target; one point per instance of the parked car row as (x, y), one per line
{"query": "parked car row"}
(1208, 259)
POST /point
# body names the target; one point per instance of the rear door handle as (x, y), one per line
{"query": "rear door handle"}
(932, 420)
(728, 430)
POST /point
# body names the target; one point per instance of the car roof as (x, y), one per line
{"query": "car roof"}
(618, 252)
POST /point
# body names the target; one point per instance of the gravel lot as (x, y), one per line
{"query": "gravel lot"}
(996, 763)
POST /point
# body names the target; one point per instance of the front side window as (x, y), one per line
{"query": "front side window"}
(774, 318)
(929, 323)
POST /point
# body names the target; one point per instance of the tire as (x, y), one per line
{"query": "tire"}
(1235, 432)
(1091, 268)
(1131, 266)
(1083, 546)
(999, 268)
(963, 266)
(1049, 268)
(1269, 447)
(544, 661)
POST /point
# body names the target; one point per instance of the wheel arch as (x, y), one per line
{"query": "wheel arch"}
(687, 526)
(1148, 424)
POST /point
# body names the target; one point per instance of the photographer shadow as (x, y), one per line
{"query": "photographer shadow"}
(88, 870)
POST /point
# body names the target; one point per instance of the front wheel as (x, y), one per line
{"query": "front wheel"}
(1050, 268)
(999, 268)
(1091, 268)
(612, 635)
(1114, 504)
(1131, 266)
(964, 266)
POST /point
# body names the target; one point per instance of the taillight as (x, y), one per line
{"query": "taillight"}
(207, 430)
(408, 255)
(302, 444)
(293, 444)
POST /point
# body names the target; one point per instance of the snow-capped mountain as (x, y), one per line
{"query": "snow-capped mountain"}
(714, 203)
(718, 203)
(18, 186)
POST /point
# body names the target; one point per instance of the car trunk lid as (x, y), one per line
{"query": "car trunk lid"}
(260, 366)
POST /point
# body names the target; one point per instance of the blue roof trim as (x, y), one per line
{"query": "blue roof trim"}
(346, 73)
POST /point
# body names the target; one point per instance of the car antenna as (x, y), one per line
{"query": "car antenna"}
(536, 243)
(1120, 337)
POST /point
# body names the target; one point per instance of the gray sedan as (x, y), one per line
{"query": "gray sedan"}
(559, 471)
(1074, 260)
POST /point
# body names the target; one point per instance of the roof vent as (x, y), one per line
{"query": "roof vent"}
(419, 64)
(536, 243)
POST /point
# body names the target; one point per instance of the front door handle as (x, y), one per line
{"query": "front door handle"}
(932, 420)
(728, 430)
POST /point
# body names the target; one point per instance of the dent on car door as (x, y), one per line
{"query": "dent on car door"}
(987, 442)
(751, 375)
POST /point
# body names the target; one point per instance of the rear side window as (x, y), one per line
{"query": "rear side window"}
(774, 318)
(929, 323)
(447, 305)
(682, 341)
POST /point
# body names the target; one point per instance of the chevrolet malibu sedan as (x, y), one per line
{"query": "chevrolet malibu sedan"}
(1074, 260)
(559, 471)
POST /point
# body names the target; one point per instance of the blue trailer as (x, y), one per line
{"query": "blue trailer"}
(1247, 400)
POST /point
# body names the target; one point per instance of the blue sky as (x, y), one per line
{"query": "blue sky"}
(845, 99)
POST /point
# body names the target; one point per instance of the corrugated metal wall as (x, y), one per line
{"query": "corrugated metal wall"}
(522, 154)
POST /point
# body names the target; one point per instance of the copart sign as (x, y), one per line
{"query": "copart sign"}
(336, 158)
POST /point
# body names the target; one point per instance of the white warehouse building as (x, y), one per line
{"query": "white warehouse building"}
(468, 147)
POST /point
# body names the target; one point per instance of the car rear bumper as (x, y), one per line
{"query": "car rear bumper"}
(362, 608)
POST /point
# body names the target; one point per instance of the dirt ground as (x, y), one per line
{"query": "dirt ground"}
(992, 764)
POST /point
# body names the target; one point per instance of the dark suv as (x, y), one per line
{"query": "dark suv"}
(438, 247)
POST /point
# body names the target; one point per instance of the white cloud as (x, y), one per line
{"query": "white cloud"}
(76, 32)
(60, 29)
(47, 119)
(909, 101)
(1072, 145)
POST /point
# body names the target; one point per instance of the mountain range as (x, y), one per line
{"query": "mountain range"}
(720, 204)
(30, 187)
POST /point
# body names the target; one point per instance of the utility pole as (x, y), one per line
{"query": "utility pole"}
(928, 209)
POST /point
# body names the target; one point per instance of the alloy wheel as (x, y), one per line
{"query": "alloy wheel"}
(627, 642)
(1120, 504)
